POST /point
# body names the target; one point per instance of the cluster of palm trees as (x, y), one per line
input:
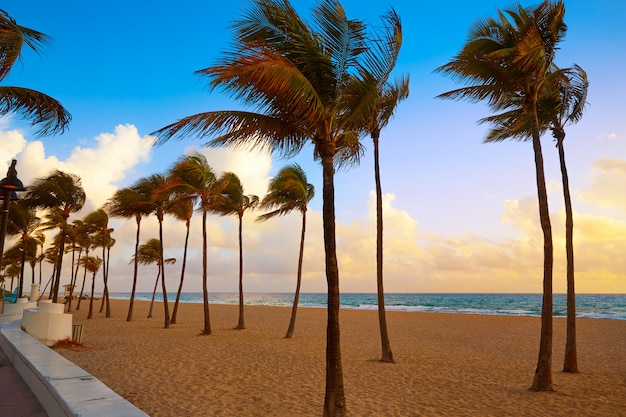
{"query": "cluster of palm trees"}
(190, 184)
(509, 62)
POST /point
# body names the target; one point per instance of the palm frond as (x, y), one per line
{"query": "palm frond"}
(46, 113)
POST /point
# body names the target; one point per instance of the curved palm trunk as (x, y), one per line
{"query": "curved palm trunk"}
(105, 279)
(57, 278)
(387, 355)
(543, 374)
(296, 297)
(165, 305)
(182, 277)
(93, 287)
(82, 289)
(205, 292)
(129, 317)
(156, 284)
(240, 325)
(74, 279)
(570, 362)
(23, 260)
(334, 400)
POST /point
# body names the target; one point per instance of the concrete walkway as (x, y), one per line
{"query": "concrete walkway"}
(16, 399)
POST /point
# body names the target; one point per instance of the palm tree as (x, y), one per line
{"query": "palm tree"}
(182, 210)
(573, 95)
(62, 194)
(562, 103)
(302, 80)
(232, 200)
(197, 181)
(148, 254)
(23, 221)
(44, 111)
(99, 221)
(91, 264)
(40, 237)
(132, 202)
(154, 186)
(289, 191)
(76, 235)
(389, 95)
(505, 58)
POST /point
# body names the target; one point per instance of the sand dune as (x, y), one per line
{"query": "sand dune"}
(447, 364)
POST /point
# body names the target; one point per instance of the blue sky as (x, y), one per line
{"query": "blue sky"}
(461, 215)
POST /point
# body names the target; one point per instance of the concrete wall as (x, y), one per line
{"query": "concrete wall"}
(62, 388)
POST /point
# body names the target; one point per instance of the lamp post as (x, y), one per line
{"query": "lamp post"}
(8, 191)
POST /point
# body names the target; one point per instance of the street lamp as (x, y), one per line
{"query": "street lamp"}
(8, 191)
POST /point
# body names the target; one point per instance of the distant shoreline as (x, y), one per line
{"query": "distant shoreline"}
(595, 306)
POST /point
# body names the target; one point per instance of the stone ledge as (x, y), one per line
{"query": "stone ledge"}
(62, 388)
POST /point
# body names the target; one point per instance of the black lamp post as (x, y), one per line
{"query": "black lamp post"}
(8, 191)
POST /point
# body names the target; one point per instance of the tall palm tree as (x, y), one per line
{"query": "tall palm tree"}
(511, 56)
(572, 93)
(22, 222)
(76, 233)
(563, 102)
(62, 194)
(197, 181)
(44, 112)
(289, 191)
(91, 264)
(153, 186)
(389, 95)
(86, 243)
(302, 80)
(232, 200)
(151, 253)
(99, 220)
(133, 202)
(40, 237)
(182, 210)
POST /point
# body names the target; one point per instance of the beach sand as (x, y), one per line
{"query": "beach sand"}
(446, 364)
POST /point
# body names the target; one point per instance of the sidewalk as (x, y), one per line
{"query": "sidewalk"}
(16, 399)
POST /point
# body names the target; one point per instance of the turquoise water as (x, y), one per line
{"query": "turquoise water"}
(601, 306)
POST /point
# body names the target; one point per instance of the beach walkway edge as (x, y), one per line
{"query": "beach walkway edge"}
(63, 388)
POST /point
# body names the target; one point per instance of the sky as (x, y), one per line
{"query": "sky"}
(459, 215)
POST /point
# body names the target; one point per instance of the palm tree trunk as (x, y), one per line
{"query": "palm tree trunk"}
(570, 362)
(105, 279)
(205, 292)
(182, 277)
(240, 325)
(543, 374)
(21, 280)
(93, 287)
(166, 310)
(156, 284)
(57, 278)
(129, 317)
(82, 288)
(296, 297)
(106, 283)
(334, 400)
(387, 355)
(74, 278)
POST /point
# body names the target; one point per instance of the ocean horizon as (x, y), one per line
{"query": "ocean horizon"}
(595, 306)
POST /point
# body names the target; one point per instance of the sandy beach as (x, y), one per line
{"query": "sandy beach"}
(447, 364)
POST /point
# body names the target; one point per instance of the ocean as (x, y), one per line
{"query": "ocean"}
(595, 306)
